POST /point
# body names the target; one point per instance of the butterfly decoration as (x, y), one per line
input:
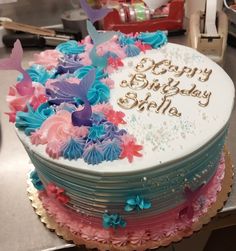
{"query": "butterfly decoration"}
(113, 220)
(137, 203)
(191, 196)
(24, 87)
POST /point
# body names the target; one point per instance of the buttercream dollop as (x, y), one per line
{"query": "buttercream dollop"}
(73, 149)
(31, 120)
(70, 47)
(155, 39)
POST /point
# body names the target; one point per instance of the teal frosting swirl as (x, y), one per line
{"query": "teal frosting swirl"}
(155, 39)
(31, 120)
(111, 150)
(70, 47)
(36, 181)
(125, 40)
(99, 93)
(93, 154)
(80, 73)
(73, 149)
(39, 74)
(132, 50)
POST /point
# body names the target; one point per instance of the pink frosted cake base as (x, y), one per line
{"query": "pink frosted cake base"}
(163, 229)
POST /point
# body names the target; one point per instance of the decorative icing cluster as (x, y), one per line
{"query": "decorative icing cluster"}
(62, 99)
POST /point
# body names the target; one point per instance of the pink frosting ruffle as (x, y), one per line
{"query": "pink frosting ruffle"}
(48, 58)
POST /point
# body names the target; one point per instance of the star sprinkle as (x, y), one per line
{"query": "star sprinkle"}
(129, 150)
(115, 117)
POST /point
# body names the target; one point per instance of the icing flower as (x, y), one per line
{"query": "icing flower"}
(73, 149)
(113, 64)
(69, 64)
(18, 102)
(120, 240)
(70, 47)
(143, 47)
(103, 236)
(38, 74)
(99, 73)
(56, 128)
(57, 193)
(132, 50)
(49, 59)
(36, 181)
(130, 149)
(88, 233)
(111, 149)
(103, 108)
(112, 131)
(31, 120)
(113, 220)
(139, 237)
(54, 148)
(155, 39)
(109, 82)
(99, 93)
(137, 203)
(115, 117)
(93, 154)
(111, 48)
(96, 132)
(126, 40)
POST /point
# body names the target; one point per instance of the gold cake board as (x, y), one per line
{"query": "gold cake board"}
(204, 219)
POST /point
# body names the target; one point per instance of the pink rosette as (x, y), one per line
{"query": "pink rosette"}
(120, 241)
(56, 131)
(103, 236)
(139, 237)
(109, 82)
(103, 108)
(80, 132)
(88, 233)
(49, 59)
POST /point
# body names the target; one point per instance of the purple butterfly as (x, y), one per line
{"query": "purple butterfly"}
(14, 63)
(191, 196)
(94, 14)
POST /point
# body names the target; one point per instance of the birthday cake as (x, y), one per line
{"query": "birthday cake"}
(125, 132)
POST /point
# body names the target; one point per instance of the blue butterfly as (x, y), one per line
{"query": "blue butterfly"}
(137, 203)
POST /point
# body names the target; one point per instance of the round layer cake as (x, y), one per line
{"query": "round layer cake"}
(146, 159)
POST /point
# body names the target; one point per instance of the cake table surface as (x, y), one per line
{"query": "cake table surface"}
(21, 229)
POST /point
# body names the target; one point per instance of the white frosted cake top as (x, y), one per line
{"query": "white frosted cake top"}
(175, 101)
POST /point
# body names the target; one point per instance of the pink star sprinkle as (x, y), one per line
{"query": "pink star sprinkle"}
(130, 150)
(115, 117)
(143, 47)
(115, 62)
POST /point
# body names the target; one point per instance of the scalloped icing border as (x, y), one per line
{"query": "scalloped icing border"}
(64, 232)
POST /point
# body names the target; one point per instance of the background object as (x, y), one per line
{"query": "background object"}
(75, 20)
(2, 30)
(192, 6)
